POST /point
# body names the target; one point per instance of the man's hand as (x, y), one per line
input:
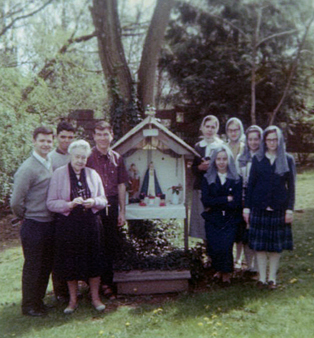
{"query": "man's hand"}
(121, 219)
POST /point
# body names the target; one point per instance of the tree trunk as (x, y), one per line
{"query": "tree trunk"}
(253, 71)
(111, 52)
(150, 54)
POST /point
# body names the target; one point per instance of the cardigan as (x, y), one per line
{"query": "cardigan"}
(268, 189)
(59, 193)
(31, 182)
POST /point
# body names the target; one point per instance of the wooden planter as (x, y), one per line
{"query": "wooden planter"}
(139, 282)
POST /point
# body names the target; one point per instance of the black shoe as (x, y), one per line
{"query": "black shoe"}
(46, 307)
(33, 313)
(260, 285)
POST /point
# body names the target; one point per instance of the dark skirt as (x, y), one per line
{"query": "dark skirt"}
(220, 235)
(78, 254)
(269, 232)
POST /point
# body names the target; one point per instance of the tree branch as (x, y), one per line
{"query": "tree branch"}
(276, 35)
(292, 71)
(231, 25)
(6, 28)
(47, 70)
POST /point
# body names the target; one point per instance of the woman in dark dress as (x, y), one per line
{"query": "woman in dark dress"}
(209, 129)
(269, 204)
(76, 194)
(222, 200)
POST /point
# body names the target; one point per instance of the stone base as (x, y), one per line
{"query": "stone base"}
(151, 282)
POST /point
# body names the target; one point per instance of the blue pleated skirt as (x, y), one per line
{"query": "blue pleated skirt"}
(269, 232)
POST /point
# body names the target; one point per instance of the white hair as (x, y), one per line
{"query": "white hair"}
(80, 144)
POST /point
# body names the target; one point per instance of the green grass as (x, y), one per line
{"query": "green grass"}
(238, 311)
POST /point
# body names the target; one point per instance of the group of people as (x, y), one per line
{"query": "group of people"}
(243, 199)
(72, 202)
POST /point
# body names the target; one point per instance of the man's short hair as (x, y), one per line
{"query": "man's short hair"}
(42, 130)
(63, 125)
(103, 125)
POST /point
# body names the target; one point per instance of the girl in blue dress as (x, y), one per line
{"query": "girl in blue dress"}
(222, 200)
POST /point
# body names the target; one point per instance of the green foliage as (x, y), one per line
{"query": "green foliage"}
(153, 245)
(210, 56)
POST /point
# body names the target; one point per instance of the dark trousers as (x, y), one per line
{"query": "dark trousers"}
(111, 242)
(60, 287)
(37, 243)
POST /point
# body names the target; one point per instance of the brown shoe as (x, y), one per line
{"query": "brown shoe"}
(272, 285)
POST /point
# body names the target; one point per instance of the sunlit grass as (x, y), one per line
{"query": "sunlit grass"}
(238, 311)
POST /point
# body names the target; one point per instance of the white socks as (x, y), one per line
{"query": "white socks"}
(261, 257)
(274, 258)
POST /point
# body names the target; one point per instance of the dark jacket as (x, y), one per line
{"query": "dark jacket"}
(215, 200)
(197, 161)
(268, 189)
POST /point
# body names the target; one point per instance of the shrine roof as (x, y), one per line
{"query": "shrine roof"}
(151, 134)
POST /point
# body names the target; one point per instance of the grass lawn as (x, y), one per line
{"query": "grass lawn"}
(238, 311)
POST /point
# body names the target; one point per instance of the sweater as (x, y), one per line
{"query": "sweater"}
(30, 189)
(58, 159)
(268, 189)
(59, 195)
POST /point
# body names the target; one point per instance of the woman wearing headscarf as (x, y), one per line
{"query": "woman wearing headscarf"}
(236, 137)
(210, 141)
(76, 194)
(222, 200)
(253, 139)
(269, 204)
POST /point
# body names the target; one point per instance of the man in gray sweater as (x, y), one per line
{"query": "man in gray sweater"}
(28, 202)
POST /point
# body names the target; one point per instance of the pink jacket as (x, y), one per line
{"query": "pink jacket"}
(60, 189)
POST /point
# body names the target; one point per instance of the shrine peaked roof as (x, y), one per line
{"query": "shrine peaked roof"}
(152, 130)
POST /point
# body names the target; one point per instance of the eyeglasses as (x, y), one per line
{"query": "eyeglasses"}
(233, 130)
(271, 140)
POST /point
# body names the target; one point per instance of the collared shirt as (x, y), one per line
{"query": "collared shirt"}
(271, 157)
(222, 177)
(111, 169)
(45, 161)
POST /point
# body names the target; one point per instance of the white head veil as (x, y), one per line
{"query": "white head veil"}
(281, 160)
(236, 120)
(212, 170)
(210, 118)
(246, 156)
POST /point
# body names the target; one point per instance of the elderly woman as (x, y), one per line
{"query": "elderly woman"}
(76, 194)
(222, 200)
(269, 203)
